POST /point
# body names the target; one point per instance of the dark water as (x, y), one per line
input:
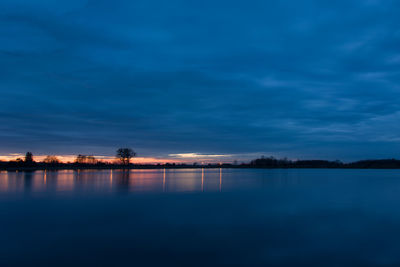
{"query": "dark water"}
(200, 218)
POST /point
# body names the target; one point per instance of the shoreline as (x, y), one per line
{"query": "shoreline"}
(263, 163)
(30, 169)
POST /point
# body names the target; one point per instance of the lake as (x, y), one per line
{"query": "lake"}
(200, 217)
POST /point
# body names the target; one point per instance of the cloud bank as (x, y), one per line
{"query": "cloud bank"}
(302, 79)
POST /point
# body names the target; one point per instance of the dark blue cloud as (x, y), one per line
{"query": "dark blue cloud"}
(289, 78)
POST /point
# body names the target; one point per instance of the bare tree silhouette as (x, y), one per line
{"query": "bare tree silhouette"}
(28, 157)
(83, 159)
(51, 160)
(125, 155)
(80, 159)
(91, 159)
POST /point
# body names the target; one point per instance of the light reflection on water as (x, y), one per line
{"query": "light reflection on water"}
(154, 180)
(192, 180)
(195, 217)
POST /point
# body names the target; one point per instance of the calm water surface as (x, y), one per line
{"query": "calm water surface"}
(200, 217)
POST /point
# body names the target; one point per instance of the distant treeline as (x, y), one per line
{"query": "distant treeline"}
(362, 164)
(89, 162)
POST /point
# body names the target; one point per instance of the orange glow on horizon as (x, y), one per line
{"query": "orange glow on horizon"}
(188, 158)
(71, 158)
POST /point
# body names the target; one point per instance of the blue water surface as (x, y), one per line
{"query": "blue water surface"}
(200, 217)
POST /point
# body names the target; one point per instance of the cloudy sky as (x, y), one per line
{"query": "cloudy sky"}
(301, 79)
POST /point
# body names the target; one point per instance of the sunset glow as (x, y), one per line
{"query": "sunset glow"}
(199, 133)
(110, 159)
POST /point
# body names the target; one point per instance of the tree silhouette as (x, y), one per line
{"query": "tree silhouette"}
(51, 160)
(90, 160)
(28, 157)
(80, 159)
(125, 155)
(83, 159)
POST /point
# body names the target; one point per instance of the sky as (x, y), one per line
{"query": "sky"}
(188, 80)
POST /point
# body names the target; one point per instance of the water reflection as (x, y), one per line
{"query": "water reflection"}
(298, 218)
(220, 180)
(123, 181)
(202, 180)
(162, 180)
(164, 184)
